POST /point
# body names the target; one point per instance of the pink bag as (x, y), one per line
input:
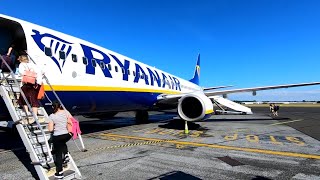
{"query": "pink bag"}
(75, 128)
(29, 76)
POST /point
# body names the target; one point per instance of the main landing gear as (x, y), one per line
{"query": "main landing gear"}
(142, 117)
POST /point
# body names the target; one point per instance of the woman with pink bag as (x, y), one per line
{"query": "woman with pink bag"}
(31, 82)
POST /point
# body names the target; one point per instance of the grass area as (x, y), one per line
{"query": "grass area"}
(286, 105)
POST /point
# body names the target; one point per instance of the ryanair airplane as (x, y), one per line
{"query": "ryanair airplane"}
(92, 80)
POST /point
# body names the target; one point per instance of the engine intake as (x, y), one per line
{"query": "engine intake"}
(193, 107)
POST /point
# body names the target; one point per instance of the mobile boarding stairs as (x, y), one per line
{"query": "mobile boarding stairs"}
(236, 108)
(33, 130)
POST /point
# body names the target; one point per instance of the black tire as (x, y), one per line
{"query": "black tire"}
(142, 117)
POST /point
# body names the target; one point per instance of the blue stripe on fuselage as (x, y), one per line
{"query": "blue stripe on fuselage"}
(86, 101)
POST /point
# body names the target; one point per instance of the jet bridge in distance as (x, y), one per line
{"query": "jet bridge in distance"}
(238, 108)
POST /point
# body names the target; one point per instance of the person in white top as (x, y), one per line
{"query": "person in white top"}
(30, 89)
(61, 126)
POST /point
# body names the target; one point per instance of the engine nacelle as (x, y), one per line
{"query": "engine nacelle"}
(195, 106)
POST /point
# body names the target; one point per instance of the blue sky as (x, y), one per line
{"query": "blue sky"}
(243, 43)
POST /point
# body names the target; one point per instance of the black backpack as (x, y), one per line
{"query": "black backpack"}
(276, 108)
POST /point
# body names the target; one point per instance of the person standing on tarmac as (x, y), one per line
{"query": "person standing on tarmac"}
(275, 109)
(271, 108)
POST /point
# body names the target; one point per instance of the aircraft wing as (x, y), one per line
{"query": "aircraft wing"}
(174, 97)
(216, 87)
(254, 89)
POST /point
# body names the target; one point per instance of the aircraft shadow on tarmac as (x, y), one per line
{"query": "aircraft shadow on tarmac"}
(24, 158)
(102, 124)
(246, 119)
(175, 175)
(180, 125)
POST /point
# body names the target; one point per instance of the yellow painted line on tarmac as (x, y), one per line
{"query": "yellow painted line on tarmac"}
(247, 129)
(262, 151)
(286, 122)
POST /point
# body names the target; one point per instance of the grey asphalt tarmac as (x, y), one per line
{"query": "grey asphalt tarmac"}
(223, 147)
(309, 116)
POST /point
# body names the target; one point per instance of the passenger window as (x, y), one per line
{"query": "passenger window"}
(62, 55)
(134, 73)
(94, 62)
(128, 72)
(116, 68)
(102, 65)
(85, 60)
(122, 70)
(74, 58)
(142, 76)
(47, 51)
(109, 67)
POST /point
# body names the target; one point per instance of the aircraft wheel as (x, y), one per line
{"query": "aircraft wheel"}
(142, 117)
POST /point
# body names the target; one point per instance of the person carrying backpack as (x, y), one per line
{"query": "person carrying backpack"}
(31, 81)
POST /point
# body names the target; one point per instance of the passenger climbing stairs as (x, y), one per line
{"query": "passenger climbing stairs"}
(33, 130)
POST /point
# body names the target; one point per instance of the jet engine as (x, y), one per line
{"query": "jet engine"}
(195, 106)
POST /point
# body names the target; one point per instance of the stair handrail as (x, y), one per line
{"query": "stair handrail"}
(30, 110)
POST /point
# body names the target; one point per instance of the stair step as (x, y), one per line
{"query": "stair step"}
(30, 119)
(38, 143)
(43, 155)
(68, 174)
(39, 138)
(49, 166)
(38, 132)
(44, 125)
(41, 149)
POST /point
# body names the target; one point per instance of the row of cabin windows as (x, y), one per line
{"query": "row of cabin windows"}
(187, 87)
(62, 55)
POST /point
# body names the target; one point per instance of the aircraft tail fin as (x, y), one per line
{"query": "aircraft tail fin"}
(196, 76)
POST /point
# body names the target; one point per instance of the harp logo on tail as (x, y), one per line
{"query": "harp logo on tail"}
(198, 70)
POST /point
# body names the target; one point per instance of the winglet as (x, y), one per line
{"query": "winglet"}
(196, 75)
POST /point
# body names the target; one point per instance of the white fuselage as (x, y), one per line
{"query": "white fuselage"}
(92, 78)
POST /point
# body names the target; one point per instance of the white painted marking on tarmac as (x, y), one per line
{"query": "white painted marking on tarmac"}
(286, 122)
